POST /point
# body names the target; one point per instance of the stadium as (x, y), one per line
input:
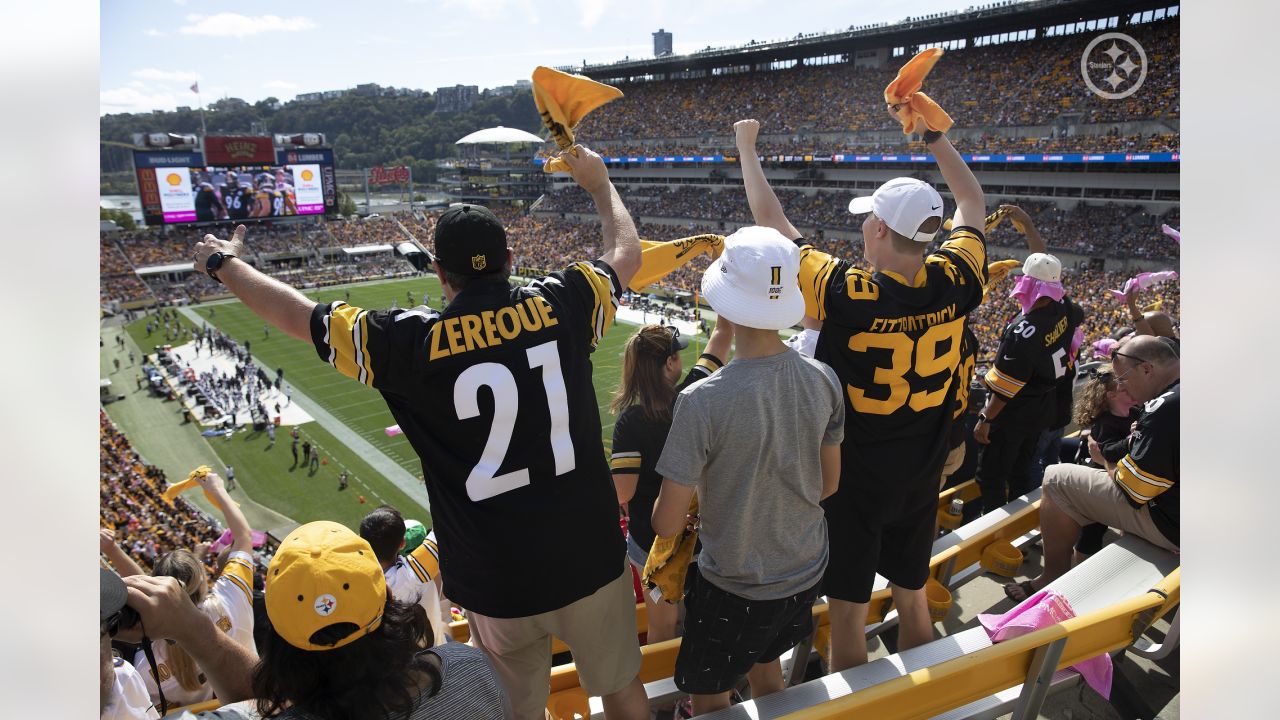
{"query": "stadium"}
(192, 376)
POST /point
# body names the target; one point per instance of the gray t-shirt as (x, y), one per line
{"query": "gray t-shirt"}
(749, 439)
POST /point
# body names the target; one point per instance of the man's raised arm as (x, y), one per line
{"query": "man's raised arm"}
(621, 241)
(272, 300)
(241, 532)
(971, 204)
(765, 208)
(1022, 223)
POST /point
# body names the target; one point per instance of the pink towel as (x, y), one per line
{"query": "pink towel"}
(1027, 290)
(1103, 347)
(1172, 232)
(1142, 281)
(1040, 611)
(225, 540)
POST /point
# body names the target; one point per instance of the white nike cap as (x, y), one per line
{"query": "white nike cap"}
(904, 204)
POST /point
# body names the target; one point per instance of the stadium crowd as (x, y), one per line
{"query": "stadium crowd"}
(1041, 78)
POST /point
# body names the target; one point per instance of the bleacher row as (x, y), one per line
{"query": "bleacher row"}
(1037, 81)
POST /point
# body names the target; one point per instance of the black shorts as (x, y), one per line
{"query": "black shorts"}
(881, 523)
(725, 634)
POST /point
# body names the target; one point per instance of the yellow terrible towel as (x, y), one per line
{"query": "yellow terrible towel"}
(563, 100)
(192, 481)
(669, 559)
(659, 259)
(998, 271)
(992, 221)
(917, 111)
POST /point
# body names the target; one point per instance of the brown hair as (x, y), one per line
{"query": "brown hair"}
(643, 380)
(905, 245)
(183, 565)
(1092, 397)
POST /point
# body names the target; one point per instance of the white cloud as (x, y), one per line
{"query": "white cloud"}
(166, 75)
(152, 32)
(591, 11)
(280, 85)
(239, 26)
(489, 10)
(135, 100)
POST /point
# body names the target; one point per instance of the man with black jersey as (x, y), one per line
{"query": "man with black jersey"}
(237, 198)
(208, 205)
(1141, 493)
(495, 395)
(1030, 381)
(893, 338)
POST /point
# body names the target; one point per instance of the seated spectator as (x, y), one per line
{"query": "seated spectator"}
(341, 646)
(412, 577)
(760, 442)
(228, 603)
(1139, 494)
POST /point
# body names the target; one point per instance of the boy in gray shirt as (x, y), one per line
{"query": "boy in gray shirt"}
(760, 442)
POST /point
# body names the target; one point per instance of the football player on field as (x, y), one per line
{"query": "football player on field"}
(496, 391)
(893, 336)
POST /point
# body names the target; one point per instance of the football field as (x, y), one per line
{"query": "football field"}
(267, 474)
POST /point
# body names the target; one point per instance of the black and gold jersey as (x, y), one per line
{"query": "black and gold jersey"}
(1034, 364)
(1148, 474)
(495, 395)
(239, 201)
(637, 444)
(895, 343)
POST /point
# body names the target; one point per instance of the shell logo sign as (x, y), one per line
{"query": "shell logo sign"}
(173, 179)
(308, 175)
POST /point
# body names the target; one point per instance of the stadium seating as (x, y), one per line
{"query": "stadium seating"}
(1040, 79)
(952, 553)
(1116, 595)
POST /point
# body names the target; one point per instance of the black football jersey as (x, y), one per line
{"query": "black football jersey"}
(495, 395)
(896, 342)
(1033, 363)
(239, 201)
(1149, 473)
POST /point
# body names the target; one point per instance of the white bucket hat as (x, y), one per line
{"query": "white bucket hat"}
(756, 280)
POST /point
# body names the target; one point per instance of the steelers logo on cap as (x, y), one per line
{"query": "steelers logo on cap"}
(325, 605)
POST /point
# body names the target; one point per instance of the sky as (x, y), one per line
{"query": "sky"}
(152, 51)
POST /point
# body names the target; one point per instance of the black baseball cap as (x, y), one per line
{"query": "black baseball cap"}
(470, 240)
(112, 594)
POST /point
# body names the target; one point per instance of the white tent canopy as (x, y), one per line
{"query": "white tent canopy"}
(498, 135)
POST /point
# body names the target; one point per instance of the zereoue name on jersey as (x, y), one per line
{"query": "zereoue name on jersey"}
(894, 341)
(495, 395)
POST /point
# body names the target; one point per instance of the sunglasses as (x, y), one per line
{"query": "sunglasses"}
(1120, 378)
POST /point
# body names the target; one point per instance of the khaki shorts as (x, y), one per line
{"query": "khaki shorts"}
(599, 629)
(954, 460)
(1088, 495)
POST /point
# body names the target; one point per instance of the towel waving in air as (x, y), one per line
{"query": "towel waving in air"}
(563, 100)
(916, 111)
(659, 259)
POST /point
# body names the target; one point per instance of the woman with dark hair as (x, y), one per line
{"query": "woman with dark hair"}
(340, 648)
(643, 403)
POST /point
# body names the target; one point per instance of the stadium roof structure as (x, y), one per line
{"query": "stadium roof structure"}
(913, 32)
(499, 135)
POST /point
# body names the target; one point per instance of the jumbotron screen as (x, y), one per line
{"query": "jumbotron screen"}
(180, 188)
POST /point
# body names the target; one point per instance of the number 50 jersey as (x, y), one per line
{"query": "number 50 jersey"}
(895, 343)
(495, 395)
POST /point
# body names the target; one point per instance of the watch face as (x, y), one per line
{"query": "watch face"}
(214, 262)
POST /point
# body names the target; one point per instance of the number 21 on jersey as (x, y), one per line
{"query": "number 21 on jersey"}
(484, 482)
(935, 353)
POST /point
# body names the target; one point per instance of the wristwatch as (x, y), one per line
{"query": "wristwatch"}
(214, 263)
(982, 418)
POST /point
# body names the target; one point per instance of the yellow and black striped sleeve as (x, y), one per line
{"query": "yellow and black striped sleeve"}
(239, 572)
(363, 344)
(424, 561)
(816, 271)
(1151, 466)
(625, 455)
(965, 249)
(602, 286)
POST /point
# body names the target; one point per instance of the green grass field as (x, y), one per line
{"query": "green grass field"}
(266, 475)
